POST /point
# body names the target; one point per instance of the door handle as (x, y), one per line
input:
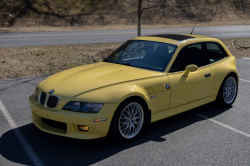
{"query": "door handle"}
(208, 75)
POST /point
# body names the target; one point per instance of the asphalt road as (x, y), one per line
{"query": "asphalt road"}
(111, 36)
(184, 139)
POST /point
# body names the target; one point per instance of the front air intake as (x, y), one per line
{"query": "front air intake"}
(52, 101)
(55, 124)
(42, 98)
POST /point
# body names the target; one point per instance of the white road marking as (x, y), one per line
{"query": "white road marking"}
(244, 80)
(25, 144)
(221, 124)
(246, 58)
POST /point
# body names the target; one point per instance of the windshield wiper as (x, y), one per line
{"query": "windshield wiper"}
(116, 61)
(110, 60)
(127, 64)
(106, 60)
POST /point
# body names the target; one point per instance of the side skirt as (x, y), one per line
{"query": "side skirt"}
(183, 108)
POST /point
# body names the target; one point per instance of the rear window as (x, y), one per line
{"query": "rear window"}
(215, 52)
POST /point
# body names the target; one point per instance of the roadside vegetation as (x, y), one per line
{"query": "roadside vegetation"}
(44, 60)
(50, 15)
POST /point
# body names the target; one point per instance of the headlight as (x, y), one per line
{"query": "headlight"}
(35, 94)
(83, 107)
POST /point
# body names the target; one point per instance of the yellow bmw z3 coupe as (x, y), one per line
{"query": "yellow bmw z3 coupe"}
(146, 79)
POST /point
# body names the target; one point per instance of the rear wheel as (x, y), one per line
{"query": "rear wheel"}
(128, 120)
(228, 91)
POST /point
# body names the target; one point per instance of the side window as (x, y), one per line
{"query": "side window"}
(215, 52)
(192, 54)
(177, 65)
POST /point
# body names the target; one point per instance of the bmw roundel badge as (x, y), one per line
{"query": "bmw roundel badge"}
(51, 91)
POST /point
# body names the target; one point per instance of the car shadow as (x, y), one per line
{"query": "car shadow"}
(57, 150)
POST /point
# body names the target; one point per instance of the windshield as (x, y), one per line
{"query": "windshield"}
(143, 54)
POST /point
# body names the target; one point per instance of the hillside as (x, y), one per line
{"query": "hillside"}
(80, 13)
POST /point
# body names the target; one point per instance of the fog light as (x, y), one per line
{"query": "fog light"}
(83, 128)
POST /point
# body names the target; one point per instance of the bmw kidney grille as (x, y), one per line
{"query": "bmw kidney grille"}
(51, 102)
(42, 98)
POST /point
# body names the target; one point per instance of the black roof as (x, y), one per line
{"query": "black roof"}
(173, 36)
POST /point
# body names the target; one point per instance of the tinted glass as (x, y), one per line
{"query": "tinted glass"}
(215, 52)
(192, 54)
(178, 63)
(143, 54)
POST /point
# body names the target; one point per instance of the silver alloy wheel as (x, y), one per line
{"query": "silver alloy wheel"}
(229, 90)
(131, 120)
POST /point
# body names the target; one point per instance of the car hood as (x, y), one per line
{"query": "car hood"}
(75, 81)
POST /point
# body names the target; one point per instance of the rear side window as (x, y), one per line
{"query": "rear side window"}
(215, 52)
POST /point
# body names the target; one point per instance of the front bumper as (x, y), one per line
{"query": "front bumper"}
(72, 119)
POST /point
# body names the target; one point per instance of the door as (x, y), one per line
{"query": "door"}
(197, 84)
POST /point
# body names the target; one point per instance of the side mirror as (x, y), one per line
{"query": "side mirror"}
(190, 68)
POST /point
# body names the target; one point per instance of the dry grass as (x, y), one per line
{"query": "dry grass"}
(43, 60)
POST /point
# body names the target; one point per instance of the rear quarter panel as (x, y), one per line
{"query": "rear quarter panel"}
(220, 70)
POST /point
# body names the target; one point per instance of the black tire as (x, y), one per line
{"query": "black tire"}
(115, 132)
(221, 100)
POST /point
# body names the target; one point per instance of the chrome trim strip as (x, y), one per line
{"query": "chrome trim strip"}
(56, 104)
(40, 98)
(201, 66)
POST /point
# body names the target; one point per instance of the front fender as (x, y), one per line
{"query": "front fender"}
(115, 93)
(119, 92)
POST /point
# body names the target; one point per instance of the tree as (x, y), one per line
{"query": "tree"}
(149, 4)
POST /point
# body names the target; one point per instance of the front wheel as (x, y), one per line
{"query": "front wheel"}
(228, 91)
(128, 120)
